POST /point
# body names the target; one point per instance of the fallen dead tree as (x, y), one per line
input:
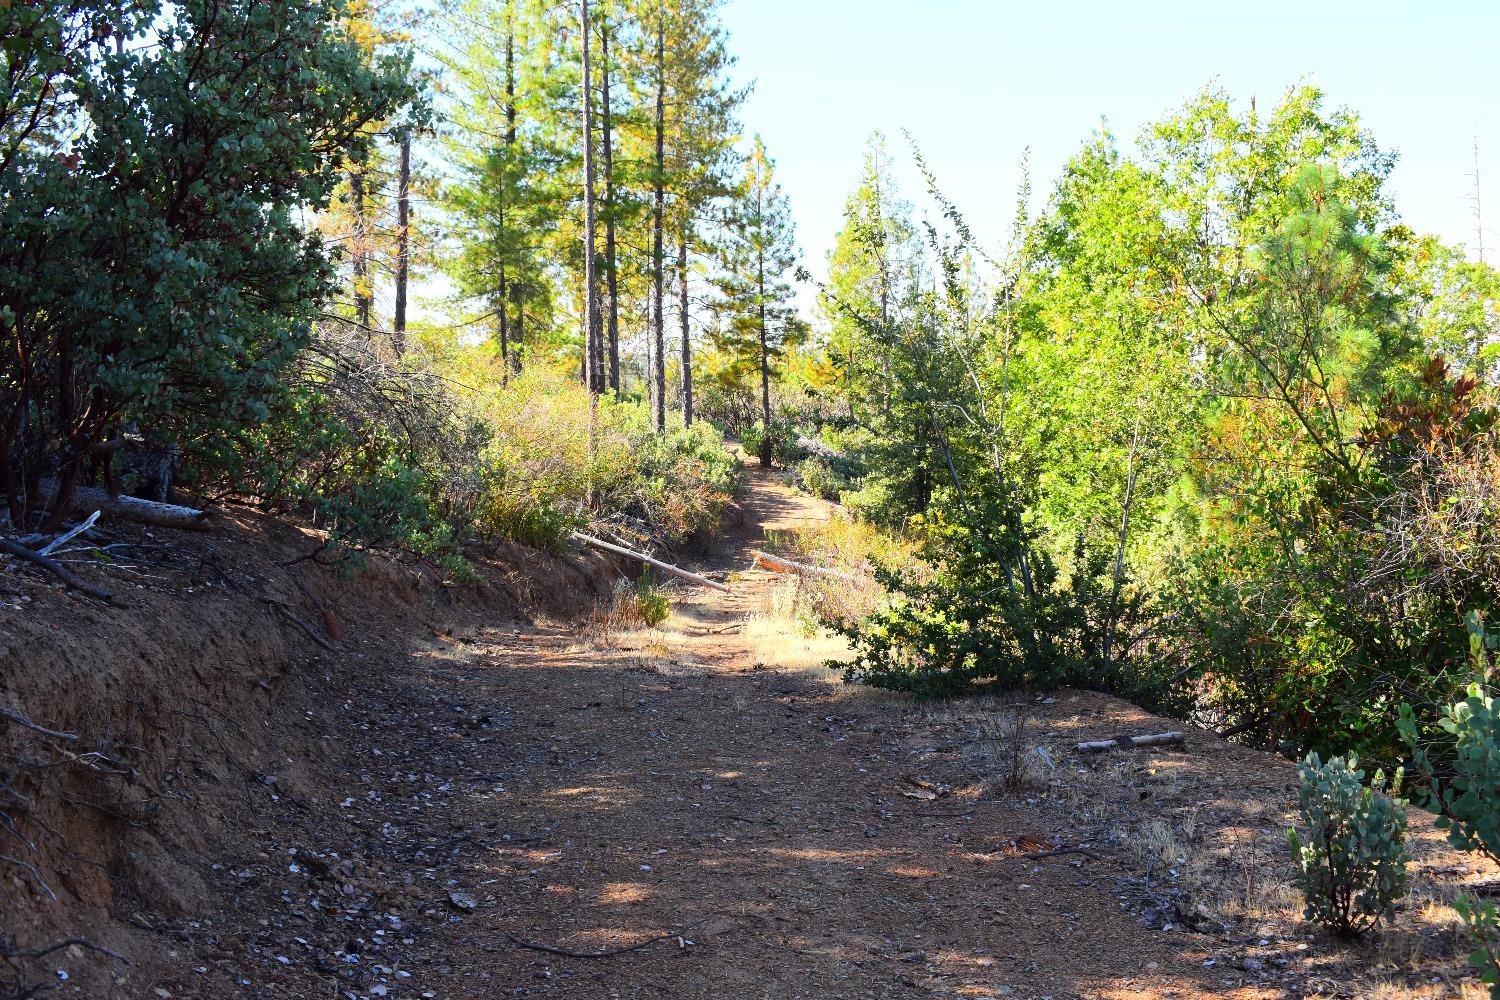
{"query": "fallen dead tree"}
(621, 550)
(776, 564)
(1127, 742)
(164, 515)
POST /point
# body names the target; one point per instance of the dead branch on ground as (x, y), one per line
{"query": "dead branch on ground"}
(56, 568)
(607, 953)
(1128, 742)
(287, 613)
(648, 560)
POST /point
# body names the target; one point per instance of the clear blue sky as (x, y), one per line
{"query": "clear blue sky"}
(977, 81)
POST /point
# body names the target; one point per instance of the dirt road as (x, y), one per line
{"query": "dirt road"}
(699, 813)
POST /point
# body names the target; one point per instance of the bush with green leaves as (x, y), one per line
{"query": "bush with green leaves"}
(651, 602)
(1352, 868)
(983, 614)
(784, 450)
(820, 479)
(1463, 759)
(1481, 920)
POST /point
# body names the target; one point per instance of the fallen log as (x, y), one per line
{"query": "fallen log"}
(164, 515)
(776, 564)
(642, 557)
(1126, 742)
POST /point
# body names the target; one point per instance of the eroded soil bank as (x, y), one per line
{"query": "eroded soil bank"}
(472, 795)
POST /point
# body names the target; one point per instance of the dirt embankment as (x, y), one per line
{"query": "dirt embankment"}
(199, 711)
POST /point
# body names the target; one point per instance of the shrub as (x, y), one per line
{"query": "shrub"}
(543, 480)
(376, 454)
(1352, 870)
(1482, 924)
(819, 479)
(1469, 802)
(987, 615)
(629, 606)
(651, 603)
(783, 437)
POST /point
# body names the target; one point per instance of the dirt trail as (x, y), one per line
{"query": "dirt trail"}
(757, 814)
(748, 827)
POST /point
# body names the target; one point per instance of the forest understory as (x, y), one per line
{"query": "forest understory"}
(493, 791)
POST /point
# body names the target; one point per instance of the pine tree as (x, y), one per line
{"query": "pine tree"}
(513, 164)
(702, 153)
(870, 271)
(758, 255)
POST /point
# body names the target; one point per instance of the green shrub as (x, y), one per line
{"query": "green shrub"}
(988, 615)
(1352, 870)
(651, 603)
(1468, 804)
(1469, 747)
(1482, 925)
(819, 479)
(784, 450)
(875, 501)
(544, 477)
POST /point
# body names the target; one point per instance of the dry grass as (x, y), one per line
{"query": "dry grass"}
(620, 614)
(849, 547)
(1011, 760)
(786, 633)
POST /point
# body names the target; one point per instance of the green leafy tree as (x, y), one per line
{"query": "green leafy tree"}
(156, 269)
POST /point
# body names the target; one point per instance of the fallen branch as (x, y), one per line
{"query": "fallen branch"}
(609, 953)
(776, 564)
(56, 568)
(21, 720)
(289, 616)
(664, 567)
(30, 868)
(1126, 742)
(721, 631)
(60, 945)
(1058, 852)
(115, 444)
(68, 536)
(165, 515)
(1243, 727)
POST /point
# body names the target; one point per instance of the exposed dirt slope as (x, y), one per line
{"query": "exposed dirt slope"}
(456, 804)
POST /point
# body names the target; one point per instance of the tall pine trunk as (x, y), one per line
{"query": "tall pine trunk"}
(592, 356)
(403, 243)
(765, 366)
(611, 270)
(510, 321)
(658, 321)
(683, 316)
